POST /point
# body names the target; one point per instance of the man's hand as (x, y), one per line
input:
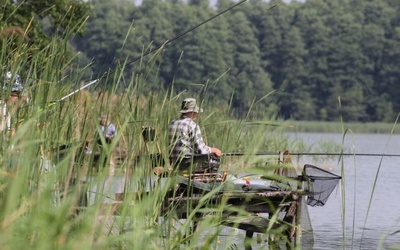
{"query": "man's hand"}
(216, 151)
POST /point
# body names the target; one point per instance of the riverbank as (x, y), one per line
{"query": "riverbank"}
(336, 127)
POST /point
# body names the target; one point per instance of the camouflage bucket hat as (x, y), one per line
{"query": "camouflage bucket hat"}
(190, 105)
(14, 81)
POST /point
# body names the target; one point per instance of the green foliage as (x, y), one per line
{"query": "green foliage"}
(29, 28)
(312, 53)
(41, 182)
(44, 172)
(40, 20)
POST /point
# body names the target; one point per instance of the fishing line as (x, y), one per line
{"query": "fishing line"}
(160, 46)
(312, 154)
(152, 50)
(296, 154)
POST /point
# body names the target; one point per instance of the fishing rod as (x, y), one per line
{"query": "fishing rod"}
(296, 154)
(311, 154)
(168, 41)
(77, 90)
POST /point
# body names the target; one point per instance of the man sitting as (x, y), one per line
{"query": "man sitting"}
(108, 129)
(185, 137)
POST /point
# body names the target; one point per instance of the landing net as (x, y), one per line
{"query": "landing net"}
(319, 184)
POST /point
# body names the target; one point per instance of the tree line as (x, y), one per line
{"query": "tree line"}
(312, 60)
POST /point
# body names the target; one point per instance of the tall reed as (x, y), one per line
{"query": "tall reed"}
(47, 171)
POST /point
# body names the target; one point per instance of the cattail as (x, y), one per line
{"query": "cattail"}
(13, 32)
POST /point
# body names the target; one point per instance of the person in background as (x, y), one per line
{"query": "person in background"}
(185, 139)
(107, 128)
(12, 89)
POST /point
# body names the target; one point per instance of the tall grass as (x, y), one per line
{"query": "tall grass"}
(45, 171)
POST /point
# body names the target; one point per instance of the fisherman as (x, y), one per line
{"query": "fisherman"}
(10, 107)
(185, 139)
(107, 128)
(12, 85)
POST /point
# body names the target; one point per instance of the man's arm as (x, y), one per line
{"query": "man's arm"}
(203, 148)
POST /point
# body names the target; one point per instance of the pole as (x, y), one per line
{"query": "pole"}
(76, 91)
(162, 45)
(311, 154)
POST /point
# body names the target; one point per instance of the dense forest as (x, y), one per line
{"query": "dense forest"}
(311, 60)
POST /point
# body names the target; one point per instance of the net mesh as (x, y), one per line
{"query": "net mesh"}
(307, 236)
(319, 184)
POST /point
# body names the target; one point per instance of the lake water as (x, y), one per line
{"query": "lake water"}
(361, 218)
(369, 215)
(357, 215)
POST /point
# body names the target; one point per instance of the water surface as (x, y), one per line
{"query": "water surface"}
(369, 214)
(362, 212)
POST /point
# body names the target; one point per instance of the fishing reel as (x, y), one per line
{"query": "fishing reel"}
(200, 164)
(211, 163)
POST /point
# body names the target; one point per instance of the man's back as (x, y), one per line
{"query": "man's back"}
(185, 139)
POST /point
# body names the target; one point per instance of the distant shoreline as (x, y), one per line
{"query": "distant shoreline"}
(336, 127)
